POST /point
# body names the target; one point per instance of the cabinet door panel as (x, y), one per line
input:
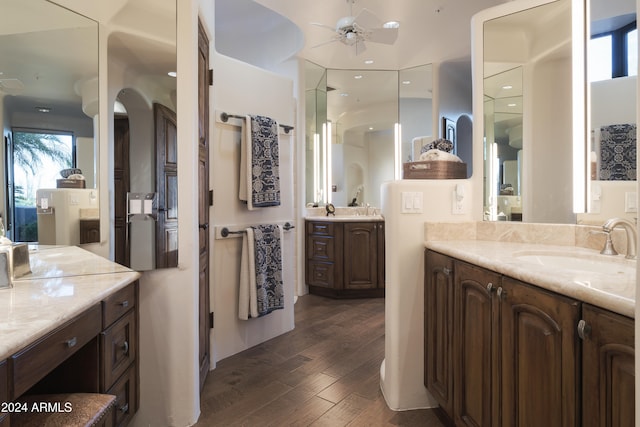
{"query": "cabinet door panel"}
(474, 347)
(438, 328)
(538, 352)
(608, 374)
(360, 255)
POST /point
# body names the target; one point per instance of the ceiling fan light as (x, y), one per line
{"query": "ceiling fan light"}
(391, 24)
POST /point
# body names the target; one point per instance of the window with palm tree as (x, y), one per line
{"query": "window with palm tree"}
(36, 160)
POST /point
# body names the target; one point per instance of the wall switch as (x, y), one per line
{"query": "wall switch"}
(412, 202)
(630, 201)
(457, 204)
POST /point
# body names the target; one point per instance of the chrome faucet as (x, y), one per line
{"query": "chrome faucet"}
(630, 228)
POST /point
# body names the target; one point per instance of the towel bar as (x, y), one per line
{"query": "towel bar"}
(225, 231)
(226, 116)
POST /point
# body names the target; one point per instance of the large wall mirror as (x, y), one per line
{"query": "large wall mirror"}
(612, 73)
(527, 109)
(360, 125)
(49, 107)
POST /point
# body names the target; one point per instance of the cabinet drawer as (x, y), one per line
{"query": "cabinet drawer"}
(320, 228)
(34, 362)
(321, 248)
(321, 274)
(114, 306)
(118, 346)
(126, 392)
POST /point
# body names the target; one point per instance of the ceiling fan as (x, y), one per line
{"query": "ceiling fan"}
(364, 27)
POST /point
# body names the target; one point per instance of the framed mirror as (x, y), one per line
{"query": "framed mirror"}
(528, 141)
(49, 104)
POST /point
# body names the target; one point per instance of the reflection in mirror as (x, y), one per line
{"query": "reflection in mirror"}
(503, 145)
(612, 59)
(416, 109)
(142, 70)
(48, 87)
(538, 42)
(315, 139)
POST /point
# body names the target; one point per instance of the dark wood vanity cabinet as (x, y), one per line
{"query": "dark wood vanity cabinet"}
(89, 231)
(507, 355)
(608, 368)
(345, 259)
(4, 392)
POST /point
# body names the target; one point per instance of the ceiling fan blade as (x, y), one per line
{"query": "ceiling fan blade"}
(383, 35)
(367, 20)
(328, 27)
(335, 39)
(360, 47)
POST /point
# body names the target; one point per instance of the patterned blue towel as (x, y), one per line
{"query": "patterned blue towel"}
(268, 267)
(260, 163)
(618, 152)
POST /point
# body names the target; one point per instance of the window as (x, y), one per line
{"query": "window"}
(36, 161)
(614, 53)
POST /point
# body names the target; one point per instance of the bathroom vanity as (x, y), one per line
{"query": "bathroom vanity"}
(71, 325)
(345, 256)
(511, 335)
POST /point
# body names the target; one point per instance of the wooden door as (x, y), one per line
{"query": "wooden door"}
(360, 255)
(166, 187)
(121, 188)
(539, 364)
(475, 347)
(204, 81)
(608, 374)
(438, 329)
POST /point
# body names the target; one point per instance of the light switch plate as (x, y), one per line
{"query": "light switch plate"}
(412, 202)
(630, 202)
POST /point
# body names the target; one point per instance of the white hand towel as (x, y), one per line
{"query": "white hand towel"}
(247, 295)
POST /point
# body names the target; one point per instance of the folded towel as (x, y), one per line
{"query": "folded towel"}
(261, 285)
(435, 154)
(438, 144)
(259, 163)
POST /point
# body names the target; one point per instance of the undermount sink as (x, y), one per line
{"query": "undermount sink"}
(593, 263)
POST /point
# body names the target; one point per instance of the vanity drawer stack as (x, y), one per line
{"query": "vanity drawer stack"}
(324, 254)
(119, 351)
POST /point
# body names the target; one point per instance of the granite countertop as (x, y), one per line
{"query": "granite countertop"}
(64, 282)
(612, 288)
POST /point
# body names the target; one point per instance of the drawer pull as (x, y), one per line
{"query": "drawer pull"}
(72, 342)
(124, 408)
(583, 329)
(490, 287)
(446, 271)
(125, 303)
(125, 347)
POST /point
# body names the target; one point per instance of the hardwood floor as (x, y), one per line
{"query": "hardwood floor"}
(326, 372)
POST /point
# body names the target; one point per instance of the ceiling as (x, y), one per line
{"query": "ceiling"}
(430, 30)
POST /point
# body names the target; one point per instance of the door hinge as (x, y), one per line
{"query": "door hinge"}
(211, 320)
(211, 77)
(210, 197)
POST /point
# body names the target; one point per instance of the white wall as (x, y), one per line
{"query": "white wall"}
(245, 89)
(402, 372)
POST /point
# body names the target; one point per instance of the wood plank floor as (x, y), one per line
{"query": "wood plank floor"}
(326, 372)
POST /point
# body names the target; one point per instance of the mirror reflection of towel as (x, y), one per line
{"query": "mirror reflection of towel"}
(618, 152)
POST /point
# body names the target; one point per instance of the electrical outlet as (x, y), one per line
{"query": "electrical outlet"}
(457, 206)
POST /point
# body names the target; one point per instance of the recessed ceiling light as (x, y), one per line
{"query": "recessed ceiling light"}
(511, 105)
(344, 94)
(369, 61)
(391, 24)
(406, 82)
(370, 127)
(43, 109)
(507, 87)
(357, 76)
(172, 73)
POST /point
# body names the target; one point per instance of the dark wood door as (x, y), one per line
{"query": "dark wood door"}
(360, 255)
(608, 374)
(121, 188)
(539, 364)
(166, 187)
(475, 347)
(438, 328)
(203, 201)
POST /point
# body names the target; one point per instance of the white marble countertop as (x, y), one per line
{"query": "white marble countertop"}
(64, 282)
(612, 289)
(346, 218)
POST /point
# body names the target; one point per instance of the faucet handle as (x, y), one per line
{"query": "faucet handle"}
(608, 245)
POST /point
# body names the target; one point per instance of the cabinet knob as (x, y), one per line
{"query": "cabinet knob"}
(490, 288)
(446, 271)
(125, 303)
(502, 294)
(125, 347)
(72, 342)
(583, 329)
(124, 408)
